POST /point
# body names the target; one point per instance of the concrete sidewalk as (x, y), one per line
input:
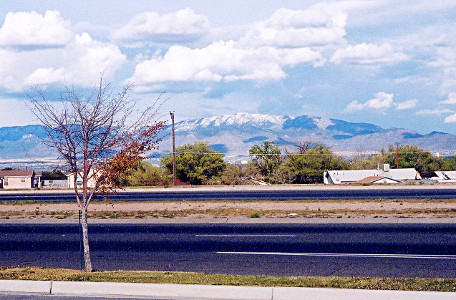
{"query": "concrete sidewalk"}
(175, 291)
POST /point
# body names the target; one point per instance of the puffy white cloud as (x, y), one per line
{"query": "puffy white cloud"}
(221, 61)
(83, 60)
(368, 54)
(406, 104)
(436, 112)
(451, 99)
(183, 25)
(41, 49)
(286, 39)
(281, 41)
(45, 76)
(450, 119)
(80, 62)
(381, 102)
(354, 106)
(33, 29)
(318, 25)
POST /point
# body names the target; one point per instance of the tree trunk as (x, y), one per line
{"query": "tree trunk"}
(85, 240)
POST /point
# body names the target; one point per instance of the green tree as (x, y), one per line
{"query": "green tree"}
(411, 156)
(237, 174)
(266, 158)
(53, 175)
(367, 163)
(309, 165)
(449, 164)
(146, 174)
(195, 164)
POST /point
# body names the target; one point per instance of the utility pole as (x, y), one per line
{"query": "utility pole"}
(174, 148)
(397, 156)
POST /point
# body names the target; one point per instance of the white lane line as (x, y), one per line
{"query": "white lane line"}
(412, 256)
(245, 235)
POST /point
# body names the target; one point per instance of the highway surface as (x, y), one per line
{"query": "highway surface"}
(248, 194)
(393, 250)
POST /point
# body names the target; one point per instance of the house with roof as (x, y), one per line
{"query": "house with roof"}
(445, 176)
(385, 175)
(19, 179)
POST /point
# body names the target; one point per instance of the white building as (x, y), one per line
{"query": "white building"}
(384, 175)
(445, 176)
(70, 181)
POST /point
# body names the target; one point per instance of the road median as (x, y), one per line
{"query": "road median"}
(380, 211)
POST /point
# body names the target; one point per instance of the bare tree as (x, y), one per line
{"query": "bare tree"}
(302, 145)
(97, 138)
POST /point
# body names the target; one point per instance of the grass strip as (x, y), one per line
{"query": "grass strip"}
(369, 283)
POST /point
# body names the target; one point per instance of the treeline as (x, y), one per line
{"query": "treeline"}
(198, 164)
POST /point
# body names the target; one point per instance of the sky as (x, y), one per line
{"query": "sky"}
(387, 62)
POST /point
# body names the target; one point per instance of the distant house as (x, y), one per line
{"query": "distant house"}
(19, 179)
(376, 176)
(70, 181)
(445, 176)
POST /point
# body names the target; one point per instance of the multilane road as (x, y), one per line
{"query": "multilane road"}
(412, 250)
(304, 193)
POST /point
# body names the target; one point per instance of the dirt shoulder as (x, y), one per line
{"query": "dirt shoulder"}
(239, 210)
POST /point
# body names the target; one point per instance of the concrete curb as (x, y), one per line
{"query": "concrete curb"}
(69, 288)
(25, 286)
(161, 290)
(352, 294)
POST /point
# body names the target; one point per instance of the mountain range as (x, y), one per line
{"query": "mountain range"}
(235, 134)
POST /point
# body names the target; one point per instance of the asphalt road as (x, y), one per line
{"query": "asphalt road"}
(305, 193)
(412, 250)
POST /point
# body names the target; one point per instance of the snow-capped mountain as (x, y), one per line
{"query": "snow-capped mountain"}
(238, 121)
(235, 134)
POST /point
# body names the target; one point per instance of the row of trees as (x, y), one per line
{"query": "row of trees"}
(198, 164)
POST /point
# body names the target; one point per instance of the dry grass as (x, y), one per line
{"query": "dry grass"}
(244, 209)
(377, 283)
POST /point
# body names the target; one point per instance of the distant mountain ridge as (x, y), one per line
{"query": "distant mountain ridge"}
(239, 132)
(235, 134)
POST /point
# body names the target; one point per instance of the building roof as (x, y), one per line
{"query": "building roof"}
(16, 173)
(369, 179)
(346, 176)
(446, 175)
(377, 179)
